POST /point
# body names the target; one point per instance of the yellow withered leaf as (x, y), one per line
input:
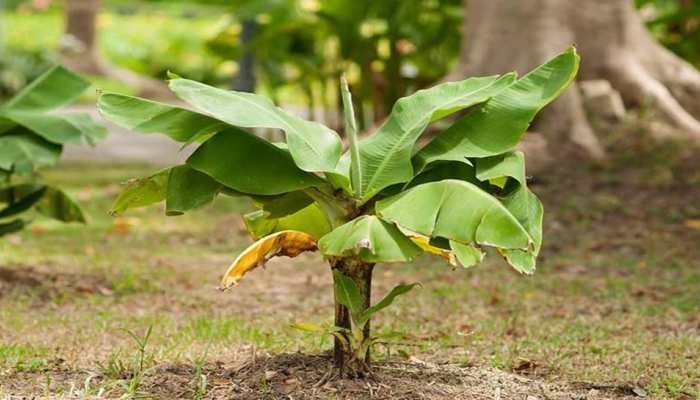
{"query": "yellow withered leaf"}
(283, 243)
(424, 243)
(463, 254)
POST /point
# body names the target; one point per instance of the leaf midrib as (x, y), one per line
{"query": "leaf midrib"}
(403, 137)
(276, 116)
(82, 134)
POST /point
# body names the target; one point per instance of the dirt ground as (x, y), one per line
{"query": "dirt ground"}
(613, 311)
(299, 376)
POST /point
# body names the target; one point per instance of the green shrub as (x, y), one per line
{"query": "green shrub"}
(32, 137)
(19, 67)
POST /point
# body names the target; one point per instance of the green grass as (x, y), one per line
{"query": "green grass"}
(23, 358)
(614, 299)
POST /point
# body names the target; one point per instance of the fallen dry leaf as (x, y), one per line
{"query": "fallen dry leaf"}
(693, 224)
(284, 243)
(89, 251)
(526, 366)
(270, 374)
(122, 225)
(465, 330)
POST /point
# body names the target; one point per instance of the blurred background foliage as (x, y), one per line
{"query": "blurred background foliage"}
(676, 24)
(297, 49)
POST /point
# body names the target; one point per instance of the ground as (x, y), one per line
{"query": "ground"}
(612, 311)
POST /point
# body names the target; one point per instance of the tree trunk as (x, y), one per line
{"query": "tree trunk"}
(506, 35)
(245, 80)
(361, 274)
(79, 44)
(80, 50)
(311, 110)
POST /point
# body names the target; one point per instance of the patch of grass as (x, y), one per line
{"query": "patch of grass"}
(128, 371)
(115, 367)
(221, 329)
(23, 358)
(131, 282)
(672, 385)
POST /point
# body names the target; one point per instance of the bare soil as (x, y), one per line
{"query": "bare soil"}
(300, 376)
(48, 284)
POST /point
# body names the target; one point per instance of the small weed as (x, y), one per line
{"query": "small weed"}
(265, 389)
(114, 367)
(497, 362)
(88, 390)
(47, 385)
(142, 360)
(130, 373)
(199, 380)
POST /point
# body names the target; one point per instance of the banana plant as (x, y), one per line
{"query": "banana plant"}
(32, 137)
(383, 200)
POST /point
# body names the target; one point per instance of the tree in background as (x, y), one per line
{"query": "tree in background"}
(263, 38)
(388, 48)
(245, 80)
(80, 49)
(676, 24)
(80, 39)
(614, 44)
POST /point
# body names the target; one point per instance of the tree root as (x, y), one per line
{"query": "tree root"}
(567, 115)
(361, 370)
(638, 86)
(681, 78)
(615, 46)
(332, 374)
(96, 65)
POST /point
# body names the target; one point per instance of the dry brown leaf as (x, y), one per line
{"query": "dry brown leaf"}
(693, 224)
(122, 225)
(284, 243)
(525, 365)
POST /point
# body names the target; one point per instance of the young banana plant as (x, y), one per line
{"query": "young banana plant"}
(32, 137)
(383, 200)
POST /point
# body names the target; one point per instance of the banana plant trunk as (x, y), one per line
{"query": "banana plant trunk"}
(361, 273)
